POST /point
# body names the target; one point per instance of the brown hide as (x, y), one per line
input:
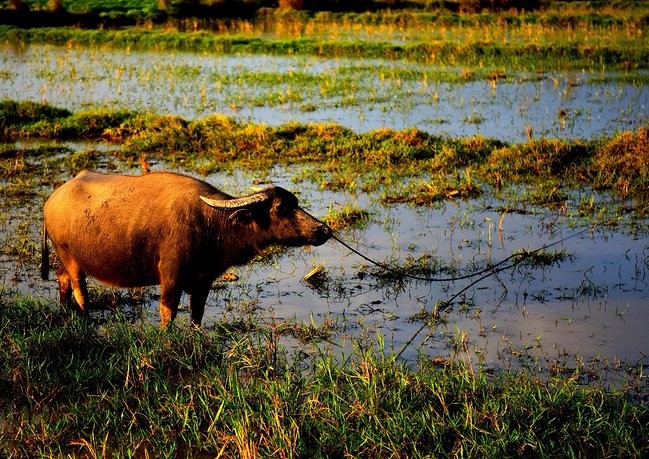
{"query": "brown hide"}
(164, 228)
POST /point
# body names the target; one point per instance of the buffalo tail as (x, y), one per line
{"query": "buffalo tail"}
(45, 256)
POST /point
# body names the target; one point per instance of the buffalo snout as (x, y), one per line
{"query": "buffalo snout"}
(311, 230)
(322, 234)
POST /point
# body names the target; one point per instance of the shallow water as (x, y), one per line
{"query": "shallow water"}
(593, 306)
(590, 308)
(360, 94)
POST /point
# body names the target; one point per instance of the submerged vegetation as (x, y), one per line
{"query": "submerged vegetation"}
(72, 387)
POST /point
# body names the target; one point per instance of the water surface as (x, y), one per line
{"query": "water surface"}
(592, 307)
(361, 95)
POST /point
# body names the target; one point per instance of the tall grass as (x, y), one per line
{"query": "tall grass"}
(73, 387)
(551, 40)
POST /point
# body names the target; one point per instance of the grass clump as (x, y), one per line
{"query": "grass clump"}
(34, 119)
(15, 114)
(622, 163)
(541, 258)
(437, 188)
(348, 216)
(89, 124)
(71, 387)
(537, 158)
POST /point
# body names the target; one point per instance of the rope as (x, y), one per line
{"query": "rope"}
(401, 273)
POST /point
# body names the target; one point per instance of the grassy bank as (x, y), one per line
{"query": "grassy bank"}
(434, 167)
(558, 39)
(118, 388)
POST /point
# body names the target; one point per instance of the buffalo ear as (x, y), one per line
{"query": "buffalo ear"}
(240, 217)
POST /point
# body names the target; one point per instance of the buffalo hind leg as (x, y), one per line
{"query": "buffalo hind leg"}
(72, 283)
(80, 292)
(197, 302)
(65, 288)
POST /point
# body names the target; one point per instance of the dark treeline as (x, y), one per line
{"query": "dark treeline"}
(115, 13)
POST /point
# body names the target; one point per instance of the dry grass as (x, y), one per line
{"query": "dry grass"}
(623, 163)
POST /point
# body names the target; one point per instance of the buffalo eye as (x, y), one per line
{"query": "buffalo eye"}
(241, 217)
(283, 209)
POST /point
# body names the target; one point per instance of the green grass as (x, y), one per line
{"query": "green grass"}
(489, 43)
(517, 56)
(348, 216)
(71, 387)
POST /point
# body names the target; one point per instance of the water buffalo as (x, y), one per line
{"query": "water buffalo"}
(164, 228)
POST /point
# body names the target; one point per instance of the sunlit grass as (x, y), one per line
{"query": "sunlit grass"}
(342, 217)
(74, 387)
(436, 167)
(549, 40)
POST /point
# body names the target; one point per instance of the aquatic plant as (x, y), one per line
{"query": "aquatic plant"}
(556, 39)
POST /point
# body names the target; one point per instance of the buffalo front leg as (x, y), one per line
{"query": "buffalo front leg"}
(197, 302)
(169, 299)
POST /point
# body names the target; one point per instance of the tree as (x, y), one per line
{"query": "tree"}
(293, 4)
(18, 5)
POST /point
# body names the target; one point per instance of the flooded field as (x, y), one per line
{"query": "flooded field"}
(360, 94)
(589, 305)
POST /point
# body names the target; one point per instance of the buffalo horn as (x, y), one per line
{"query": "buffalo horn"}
(236, 203)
